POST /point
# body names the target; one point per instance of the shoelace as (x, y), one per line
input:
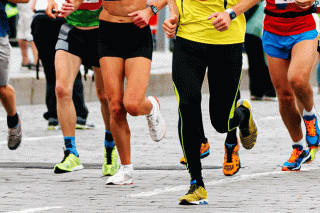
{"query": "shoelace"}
(294, 155)
(152, 122)
(311, 127)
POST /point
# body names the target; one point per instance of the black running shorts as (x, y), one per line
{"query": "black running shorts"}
(82, 43)
(124, 40)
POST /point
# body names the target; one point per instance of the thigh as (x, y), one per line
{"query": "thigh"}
(224, 76)
(112, 70)
(302, 59)
(137, 72)
(67, 67)
(278, 69)
(188, 70)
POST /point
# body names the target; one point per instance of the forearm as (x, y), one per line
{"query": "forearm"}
(77, 3)
(160, 4)
(173, 7)
(243, 6)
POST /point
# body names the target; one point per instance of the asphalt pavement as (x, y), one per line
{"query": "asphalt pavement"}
(28, 184)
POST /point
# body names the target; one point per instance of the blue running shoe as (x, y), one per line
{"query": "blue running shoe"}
(313, 131)
(312, 134)
(298, 157)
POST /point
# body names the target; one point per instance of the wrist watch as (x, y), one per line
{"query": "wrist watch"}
(154, 9)
(232, 14)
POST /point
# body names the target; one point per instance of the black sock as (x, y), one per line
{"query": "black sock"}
(12, 121)
(232, 137)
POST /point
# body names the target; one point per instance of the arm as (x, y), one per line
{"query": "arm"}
(222, 19)
(170, 25)
(33, 5)
(141, 17)
(67, 8)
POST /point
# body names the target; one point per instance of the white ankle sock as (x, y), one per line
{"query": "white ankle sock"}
(302, 143)
(312, 112)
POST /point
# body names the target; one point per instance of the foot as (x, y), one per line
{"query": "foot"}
(197, 195)
(122, 177)
(70, 163)
(204, 152)
(298, 157)
(15, 135)
(312, 134)
(83, 123)
(249, 133)
(231, 163)
(111, 161)
(156, 123)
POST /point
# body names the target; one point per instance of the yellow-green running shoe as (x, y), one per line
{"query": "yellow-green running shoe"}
(197, 195)
(69, 163)
(313, 152)
(248, 136)
(111, 161)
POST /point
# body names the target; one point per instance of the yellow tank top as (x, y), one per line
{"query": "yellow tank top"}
(194, 25)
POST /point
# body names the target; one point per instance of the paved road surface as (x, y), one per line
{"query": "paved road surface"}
(28, 183)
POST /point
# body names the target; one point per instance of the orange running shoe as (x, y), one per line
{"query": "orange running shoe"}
(231, 164)
(204, 152)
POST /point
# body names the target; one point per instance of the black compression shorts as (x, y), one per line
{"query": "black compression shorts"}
(124, 40)
(82, 43)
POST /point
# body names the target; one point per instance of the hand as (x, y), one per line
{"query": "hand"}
(170, 26)
(304, 4)
(221, 22)
(141, 17)
(66, 9)
(52, 5)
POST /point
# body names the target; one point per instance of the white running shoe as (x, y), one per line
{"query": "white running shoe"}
(122, 177)
(156, 123)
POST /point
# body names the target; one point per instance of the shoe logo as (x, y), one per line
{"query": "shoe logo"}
(228, 167)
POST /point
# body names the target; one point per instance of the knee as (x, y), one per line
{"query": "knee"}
(102, 96)
(116, 108)
(298, 83)
(4, 90)
(132, 107)
(286, 97)
(62, 92)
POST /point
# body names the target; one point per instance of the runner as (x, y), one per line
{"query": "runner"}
(201, 44)
(290, 41)
(7, 92)
(125, 50)
(77, 44)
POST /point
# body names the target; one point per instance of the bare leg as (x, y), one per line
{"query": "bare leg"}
(67, 68)
(102, 96)
(34, 52)
(137, 74)
(290, 115)
(300, 70)
(112, 69)
(23, 44)
(8, 99)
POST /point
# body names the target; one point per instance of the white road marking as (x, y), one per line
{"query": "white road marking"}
(35, 138)
(36, 209)
(211, 183)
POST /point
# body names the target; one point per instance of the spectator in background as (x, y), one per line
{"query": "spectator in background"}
(45, 32)
(24, 35)
(260, 84)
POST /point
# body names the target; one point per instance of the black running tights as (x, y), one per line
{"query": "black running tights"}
(191, 60)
